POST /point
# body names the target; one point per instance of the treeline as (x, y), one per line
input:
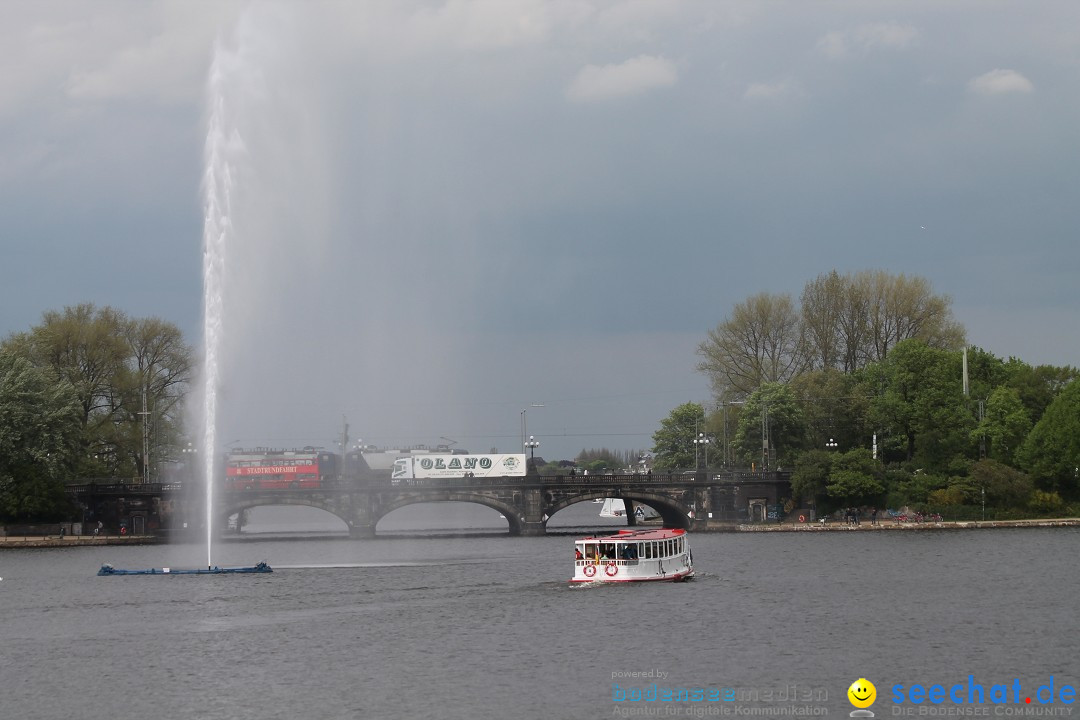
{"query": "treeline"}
(842, 322)
(77, 394)
(596, 460)
(859, 390)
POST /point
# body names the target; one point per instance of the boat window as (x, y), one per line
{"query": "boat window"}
(655, 549)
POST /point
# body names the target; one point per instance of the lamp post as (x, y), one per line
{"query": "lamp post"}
(766, 441)
(145, 437)
(532, 443)
(525, 424)
(190, 452)
(832, 444)
(702, 440)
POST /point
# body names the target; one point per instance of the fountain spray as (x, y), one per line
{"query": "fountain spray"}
(222, 145)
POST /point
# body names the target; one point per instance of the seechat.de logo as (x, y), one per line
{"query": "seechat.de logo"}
(862, 695)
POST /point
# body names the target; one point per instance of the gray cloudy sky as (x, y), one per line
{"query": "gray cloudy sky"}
(446, 212)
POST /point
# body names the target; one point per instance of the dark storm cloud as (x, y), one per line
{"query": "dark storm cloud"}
(451, 211)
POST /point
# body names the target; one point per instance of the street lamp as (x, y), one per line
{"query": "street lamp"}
(532, 444)
(190, 452)
(702, 440)
(832, 444)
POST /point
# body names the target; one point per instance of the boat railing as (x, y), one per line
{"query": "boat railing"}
(591, 561)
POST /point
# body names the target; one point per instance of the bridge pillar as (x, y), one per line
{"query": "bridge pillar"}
(361, 532)
(533, 521)
(356, 508)
(531, 529)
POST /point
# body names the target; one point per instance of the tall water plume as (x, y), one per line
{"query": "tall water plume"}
(222, 145)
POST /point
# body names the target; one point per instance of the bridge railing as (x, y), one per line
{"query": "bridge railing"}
(543, 481)
(124, 488)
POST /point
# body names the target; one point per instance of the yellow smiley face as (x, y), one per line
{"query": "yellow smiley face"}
(862, 693)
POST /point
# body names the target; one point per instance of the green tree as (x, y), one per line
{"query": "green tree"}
(612, 459)
(158, 367)
(772, 418)
(39, 434)
(855, 478)
(823, 308)
(113, 362)
(1051, 452)
(1045, 502)
(1038, 386)
(761, 342)
(835, 407)
(903, 308)
(673, 443)
(810, 477)
(921, 403)
(1005, 424)
(1004, 486)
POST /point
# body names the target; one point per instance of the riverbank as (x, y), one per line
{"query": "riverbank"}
(51, 541)
(891, 525)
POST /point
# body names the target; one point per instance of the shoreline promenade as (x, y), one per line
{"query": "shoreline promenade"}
(890, 525)
(54, 541)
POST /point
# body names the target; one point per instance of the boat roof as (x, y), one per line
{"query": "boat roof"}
(638, 535)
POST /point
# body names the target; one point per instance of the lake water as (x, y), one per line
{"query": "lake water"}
(416, 624)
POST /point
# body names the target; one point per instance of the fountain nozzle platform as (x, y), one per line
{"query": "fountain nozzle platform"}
(215, 570)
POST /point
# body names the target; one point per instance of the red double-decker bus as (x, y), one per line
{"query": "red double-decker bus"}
(265, 469)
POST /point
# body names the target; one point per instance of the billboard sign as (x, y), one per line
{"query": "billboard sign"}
(455, 466)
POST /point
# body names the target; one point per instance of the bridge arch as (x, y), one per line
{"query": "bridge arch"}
(513, 517)
(673, 513)
(235, 505)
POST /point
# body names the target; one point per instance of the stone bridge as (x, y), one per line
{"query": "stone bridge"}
(683, 501)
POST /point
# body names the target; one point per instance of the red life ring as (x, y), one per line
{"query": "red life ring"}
(590, 570)
(802, 518)
(612, 570)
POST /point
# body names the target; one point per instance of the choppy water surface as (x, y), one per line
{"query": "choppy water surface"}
(485, 626)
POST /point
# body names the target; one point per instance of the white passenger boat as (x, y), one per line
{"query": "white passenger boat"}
(634, 556)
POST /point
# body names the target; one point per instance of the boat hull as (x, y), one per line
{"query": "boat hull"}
(677, 577)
